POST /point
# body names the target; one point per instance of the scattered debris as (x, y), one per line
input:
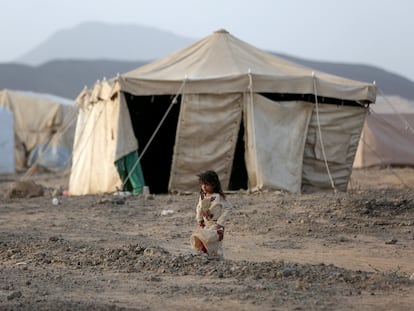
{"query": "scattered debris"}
(24, 189)
(392, 241)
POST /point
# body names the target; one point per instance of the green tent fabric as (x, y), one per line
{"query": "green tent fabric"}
(130, 165)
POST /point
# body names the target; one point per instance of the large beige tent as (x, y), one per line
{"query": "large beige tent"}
(44, 125)
(388, 134)
(258, 120)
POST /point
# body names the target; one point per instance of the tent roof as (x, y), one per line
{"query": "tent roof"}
(40, 96)
(221, 63)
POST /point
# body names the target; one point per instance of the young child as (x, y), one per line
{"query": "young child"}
(213, 210)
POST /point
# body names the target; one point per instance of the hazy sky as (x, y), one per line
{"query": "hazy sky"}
(372, 32)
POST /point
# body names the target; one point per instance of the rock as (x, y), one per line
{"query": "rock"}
(149, 197)
(285, 272)
(24, 189)
(155, 252)
(392, 241)
(14, 295)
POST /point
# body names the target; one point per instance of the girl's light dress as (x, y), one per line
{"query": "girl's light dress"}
(215, 212)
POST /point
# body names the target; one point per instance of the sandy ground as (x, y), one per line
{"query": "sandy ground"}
(325, 251)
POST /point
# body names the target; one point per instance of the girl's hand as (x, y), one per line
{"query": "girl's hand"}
(205, 204)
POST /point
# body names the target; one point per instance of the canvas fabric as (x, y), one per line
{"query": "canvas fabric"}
(275, 140)
(341, 129)
(206, 138)
(93, 164)
(222, 63)
(124, 137)
(386, 139)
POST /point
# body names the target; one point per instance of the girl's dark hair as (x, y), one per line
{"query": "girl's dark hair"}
(211, 178)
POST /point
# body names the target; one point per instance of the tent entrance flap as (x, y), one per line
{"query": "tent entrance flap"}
(207, 134)
(146, 112)
(275, 141)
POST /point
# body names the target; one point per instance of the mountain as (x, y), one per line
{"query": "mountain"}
(77, 57)
(67, 78)
(64, 78)
(94, 40)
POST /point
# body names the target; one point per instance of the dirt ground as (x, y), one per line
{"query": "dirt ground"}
(324, 251)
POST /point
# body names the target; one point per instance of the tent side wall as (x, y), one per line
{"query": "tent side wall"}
(275, 140)
(93, 163)
(206, 138)
(341, 129)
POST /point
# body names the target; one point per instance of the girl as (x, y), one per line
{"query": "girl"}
(213, 210)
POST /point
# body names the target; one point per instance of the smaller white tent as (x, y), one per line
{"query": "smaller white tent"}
(44, 127)
(6, 141)
(388, 134)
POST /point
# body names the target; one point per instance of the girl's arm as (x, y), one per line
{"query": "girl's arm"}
(225, 215)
